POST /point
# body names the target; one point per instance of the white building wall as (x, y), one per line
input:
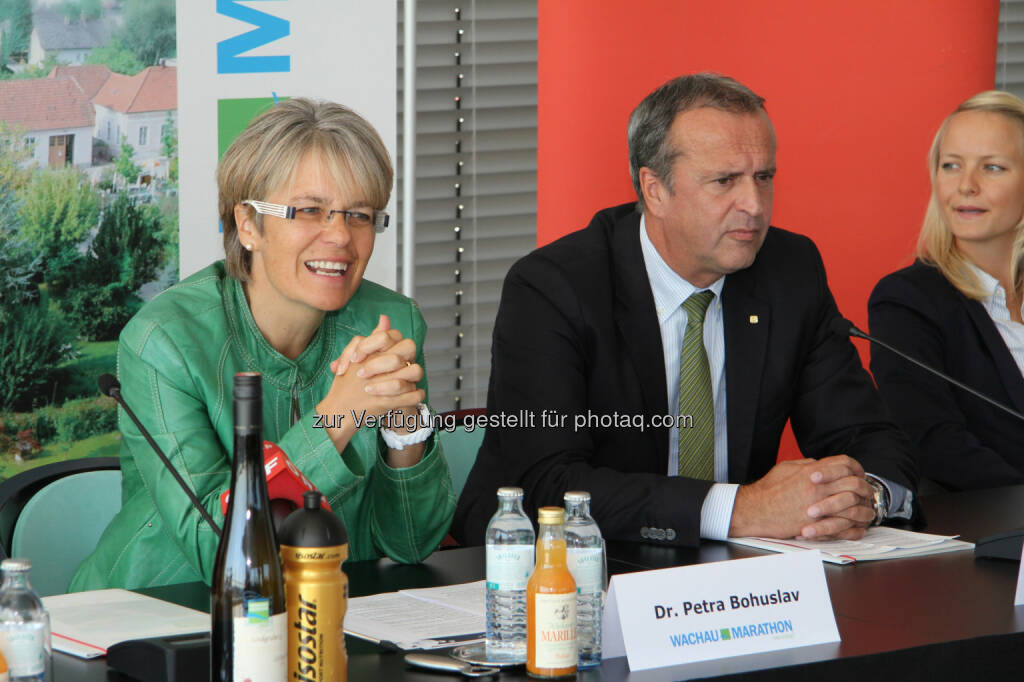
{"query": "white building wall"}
(81, 154)
(36, 53)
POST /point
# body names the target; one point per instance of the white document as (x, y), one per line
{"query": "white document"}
(86, 624)
(879, 542)
(428, 618)
(707, 611)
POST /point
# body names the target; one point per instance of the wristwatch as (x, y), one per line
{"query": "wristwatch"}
(881, 500)
(398, 441)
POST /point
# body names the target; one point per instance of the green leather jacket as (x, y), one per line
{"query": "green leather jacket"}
(176, 360)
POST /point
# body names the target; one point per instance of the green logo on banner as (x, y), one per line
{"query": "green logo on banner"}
(725, 633)
(233, 115)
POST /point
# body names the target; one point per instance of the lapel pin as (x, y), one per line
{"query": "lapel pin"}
(753, 319)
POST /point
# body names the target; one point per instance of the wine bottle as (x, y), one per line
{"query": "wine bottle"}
(247, 603)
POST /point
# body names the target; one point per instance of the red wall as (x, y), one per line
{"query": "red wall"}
(855, 90)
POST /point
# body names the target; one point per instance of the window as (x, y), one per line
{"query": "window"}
(143, 136)
(1010, 47)
(476, 178)
(108, 131)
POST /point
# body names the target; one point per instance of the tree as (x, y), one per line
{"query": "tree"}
(18, 265)
(14, 153)
(16, 37)
(126, 253)
(125, 163)
(149, 29)
(169, 140)
(116, 57)
(58, 211)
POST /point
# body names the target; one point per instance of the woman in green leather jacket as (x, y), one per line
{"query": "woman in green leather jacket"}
(301, 196)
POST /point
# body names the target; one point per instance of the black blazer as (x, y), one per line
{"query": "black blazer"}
(577, 333)
(962, 441)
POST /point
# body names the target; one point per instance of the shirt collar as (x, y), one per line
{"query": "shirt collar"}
(995, 298)
(669, 289)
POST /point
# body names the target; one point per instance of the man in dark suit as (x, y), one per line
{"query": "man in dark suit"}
(663, 348)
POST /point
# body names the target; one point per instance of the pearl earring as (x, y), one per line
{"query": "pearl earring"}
(248, 247)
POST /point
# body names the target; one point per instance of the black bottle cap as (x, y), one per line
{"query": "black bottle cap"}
(312, 526)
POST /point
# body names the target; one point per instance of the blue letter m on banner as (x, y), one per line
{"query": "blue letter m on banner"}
(268, 29)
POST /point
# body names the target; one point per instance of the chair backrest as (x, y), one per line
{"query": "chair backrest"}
(62, 523)
(460, 446)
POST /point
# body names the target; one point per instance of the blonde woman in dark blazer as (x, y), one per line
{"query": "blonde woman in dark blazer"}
(958, 307)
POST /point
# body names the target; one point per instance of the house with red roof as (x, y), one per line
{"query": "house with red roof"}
(55, 113)
(138, 107)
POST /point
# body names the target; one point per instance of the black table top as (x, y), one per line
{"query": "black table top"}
(947, 616)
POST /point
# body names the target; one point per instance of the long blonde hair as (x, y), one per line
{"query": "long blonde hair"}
(935, 243)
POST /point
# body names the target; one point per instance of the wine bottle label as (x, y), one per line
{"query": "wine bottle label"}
(23, 647)
(587, 567)
(260, 652)
(554, 630)
(509, 566)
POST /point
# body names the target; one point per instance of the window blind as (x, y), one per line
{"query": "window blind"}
(476, 178)
(1010, 49)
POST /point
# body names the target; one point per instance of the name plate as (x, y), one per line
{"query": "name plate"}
(730, 608)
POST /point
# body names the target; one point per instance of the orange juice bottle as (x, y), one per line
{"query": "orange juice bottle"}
(4, 674)
(551, 603)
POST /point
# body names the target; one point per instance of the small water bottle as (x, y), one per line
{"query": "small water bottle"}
(24, 625)
(585, 557)
(510, 558)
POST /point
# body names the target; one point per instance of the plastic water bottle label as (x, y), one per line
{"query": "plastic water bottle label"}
(260, 644)
(24, 649)
(509, 566)
(587, 567)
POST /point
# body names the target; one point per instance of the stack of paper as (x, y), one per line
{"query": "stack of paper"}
(429, 618)
(86, 624)
(879, 542)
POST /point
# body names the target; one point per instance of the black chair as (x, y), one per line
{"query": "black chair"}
(17, 490)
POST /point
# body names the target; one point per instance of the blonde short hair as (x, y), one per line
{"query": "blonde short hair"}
(266, 154)
(935, 243)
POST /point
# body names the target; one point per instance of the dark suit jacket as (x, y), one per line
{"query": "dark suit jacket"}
(577, 333)
(962, 441)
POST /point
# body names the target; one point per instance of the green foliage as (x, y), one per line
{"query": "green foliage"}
(149, 30)
(125, 254)
(75, 420)
(16, 38)
(13, 155)
(78, 419)
(169, 139)
(18, 265)
(116, 57)
(125, 162)
(59, 210)
(33, 342)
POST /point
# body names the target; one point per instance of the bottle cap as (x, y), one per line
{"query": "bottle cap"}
(551, 516)
(15, 564)
(312, 525)
(577, 496)
(510, 491)
(247, 385)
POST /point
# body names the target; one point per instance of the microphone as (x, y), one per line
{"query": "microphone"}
(110, 386)
(843, 327)
(285, 484)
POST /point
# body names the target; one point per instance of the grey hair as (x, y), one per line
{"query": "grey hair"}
(650, 122)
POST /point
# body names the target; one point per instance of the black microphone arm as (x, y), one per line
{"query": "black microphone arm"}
(109, 385)
(844, 327)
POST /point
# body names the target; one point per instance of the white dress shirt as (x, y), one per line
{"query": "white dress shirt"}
(670, 291)
(995, 305)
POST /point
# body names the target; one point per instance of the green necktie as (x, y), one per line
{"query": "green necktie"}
(696, 438)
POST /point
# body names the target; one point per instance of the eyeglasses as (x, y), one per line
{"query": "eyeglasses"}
(318, 215)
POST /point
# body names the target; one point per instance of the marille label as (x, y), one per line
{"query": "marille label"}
(554, 630)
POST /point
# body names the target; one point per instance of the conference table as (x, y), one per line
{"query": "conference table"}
(947, 616)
